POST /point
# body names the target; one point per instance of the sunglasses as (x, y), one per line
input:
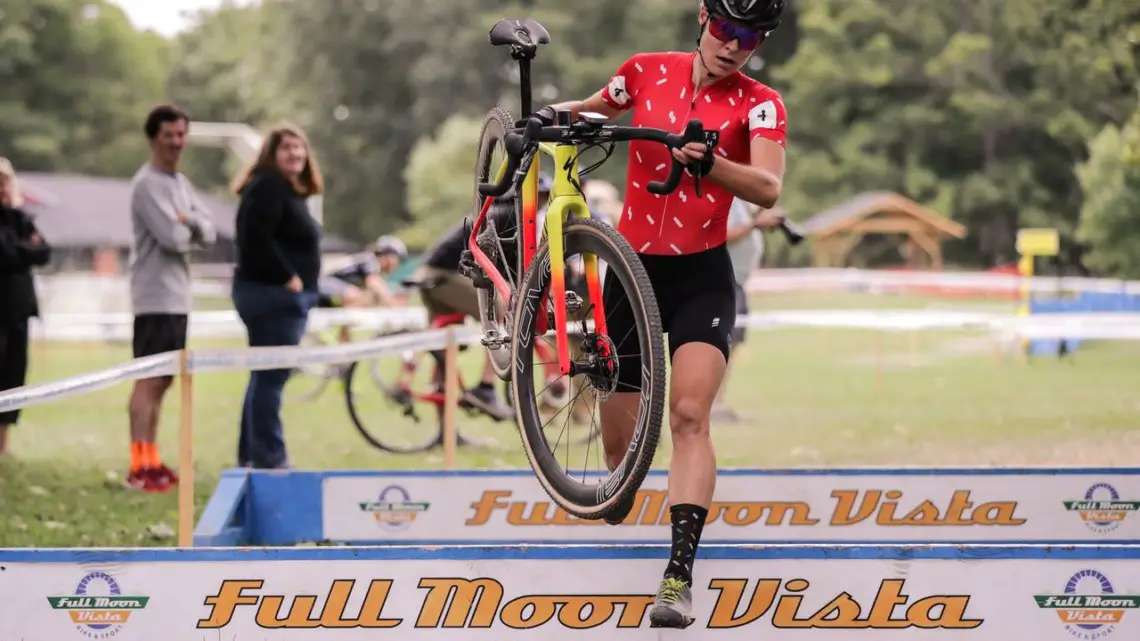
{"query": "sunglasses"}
(727, 31)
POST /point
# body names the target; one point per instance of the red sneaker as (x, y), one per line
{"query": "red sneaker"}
(138, 480)
(162, 479)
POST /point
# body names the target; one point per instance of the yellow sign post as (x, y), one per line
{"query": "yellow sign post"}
(1032, 243)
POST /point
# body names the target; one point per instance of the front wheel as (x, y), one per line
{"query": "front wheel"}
(597, 492)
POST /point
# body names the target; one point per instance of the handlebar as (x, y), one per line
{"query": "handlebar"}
(521, 140)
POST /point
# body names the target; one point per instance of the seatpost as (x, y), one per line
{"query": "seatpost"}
(524, 87)
(524, 56)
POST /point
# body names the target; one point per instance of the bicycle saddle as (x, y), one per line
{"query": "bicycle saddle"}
(525, 34)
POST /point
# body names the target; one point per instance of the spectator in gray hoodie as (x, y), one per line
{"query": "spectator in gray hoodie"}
(168, 221)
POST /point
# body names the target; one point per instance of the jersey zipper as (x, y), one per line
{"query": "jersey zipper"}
(692, 106)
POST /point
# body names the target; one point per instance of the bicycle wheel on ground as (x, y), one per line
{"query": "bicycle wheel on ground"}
(500, 245)
(597, 490)
(384, 406)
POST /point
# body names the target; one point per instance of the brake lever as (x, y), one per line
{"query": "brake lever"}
(712, 137)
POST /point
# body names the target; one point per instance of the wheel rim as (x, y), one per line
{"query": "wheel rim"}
(598, 491)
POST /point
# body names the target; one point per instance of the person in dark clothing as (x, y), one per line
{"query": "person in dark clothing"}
(21, 248)
(275, 280)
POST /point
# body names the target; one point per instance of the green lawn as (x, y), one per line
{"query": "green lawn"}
(812, 397)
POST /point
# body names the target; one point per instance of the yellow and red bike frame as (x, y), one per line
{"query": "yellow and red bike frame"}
(565, 200)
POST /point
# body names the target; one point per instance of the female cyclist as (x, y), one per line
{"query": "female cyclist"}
(680, 239)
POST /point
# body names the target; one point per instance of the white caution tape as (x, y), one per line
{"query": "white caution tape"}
(263, 358)
(158, 365)
(1105, 326)
(851, 279)
(219, 360)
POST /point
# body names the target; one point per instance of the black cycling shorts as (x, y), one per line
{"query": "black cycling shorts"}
(696, 298)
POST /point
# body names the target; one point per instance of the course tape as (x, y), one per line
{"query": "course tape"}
(166, 364)
(1115, 326)
(221, 360)
(817, 278)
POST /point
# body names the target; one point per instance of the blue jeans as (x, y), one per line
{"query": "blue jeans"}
(273, 316)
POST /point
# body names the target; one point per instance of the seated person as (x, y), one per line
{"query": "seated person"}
(454, 293)
(361, 281)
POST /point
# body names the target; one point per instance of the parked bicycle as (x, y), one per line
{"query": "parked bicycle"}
(410, 385)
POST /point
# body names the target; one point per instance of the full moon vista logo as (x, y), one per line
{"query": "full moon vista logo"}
(98, 607)
(394, 508)
(1089, 606)
(1102, 509)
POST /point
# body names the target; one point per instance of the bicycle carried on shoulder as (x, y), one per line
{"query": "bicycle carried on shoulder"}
(521, 304)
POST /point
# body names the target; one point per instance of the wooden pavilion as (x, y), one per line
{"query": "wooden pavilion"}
(917, 231)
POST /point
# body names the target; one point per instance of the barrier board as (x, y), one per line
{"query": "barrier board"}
(555, 593)
(863, 505)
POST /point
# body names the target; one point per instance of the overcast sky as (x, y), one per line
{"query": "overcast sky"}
(163, 16)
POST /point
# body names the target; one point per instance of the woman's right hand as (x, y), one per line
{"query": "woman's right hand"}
(294, 285)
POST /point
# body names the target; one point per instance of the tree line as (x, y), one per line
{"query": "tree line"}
(998, 113)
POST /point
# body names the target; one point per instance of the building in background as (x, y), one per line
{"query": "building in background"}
(87, 220)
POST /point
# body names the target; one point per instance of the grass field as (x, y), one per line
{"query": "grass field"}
(812, 397)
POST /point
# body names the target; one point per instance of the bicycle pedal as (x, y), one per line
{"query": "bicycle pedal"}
(494, 339)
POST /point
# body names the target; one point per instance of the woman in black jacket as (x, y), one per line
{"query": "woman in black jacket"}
(21, 248)
(275, 281)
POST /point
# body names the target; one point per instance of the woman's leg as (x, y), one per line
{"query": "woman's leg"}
(13, 372)
(282, 329)
(257, 305)
(699, 345)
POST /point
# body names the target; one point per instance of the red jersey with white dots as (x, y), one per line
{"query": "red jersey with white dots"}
(659, 88)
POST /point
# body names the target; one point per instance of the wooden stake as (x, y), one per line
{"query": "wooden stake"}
(186, 454)
(450, 399)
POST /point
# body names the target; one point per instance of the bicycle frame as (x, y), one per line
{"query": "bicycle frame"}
(565, 200)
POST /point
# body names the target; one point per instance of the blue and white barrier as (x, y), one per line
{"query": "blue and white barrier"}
(1058, 506)
(567, 593)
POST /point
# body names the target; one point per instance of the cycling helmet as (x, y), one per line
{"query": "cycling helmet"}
(390, 245)
(761, 15)
(545, 182)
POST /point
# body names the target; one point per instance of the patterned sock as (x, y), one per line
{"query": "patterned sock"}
(688, 522)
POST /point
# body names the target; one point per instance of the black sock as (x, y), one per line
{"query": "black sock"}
(688, 522)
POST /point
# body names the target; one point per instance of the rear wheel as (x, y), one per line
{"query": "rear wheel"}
(598, 491)
(494, 312)
(386, 411)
